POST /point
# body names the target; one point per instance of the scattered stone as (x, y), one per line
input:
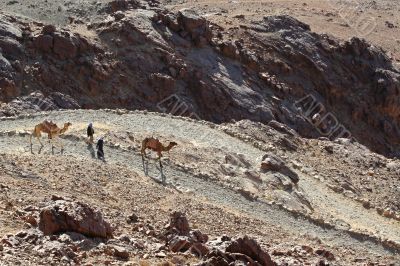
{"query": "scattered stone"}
(325, 253)
(247, 246)
(120, 252)
(133, 218)
(270, 162)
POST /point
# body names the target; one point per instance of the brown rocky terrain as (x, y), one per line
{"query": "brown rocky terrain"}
(286, 115)
(141, 54)
(303, 201)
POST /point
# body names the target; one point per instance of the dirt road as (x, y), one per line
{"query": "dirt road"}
(203, 135)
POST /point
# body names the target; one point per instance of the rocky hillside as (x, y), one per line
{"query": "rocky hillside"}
(139, 55)
(288, 140)
(233, 193)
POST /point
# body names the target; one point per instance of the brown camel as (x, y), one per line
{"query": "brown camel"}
(49, 128)
(155, 145)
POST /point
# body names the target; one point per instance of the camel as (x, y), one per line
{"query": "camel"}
(49, 128)
(155, 145)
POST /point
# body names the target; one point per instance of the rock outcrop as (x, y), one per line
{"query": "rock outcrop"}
(297, 78)
(270, 162)
(242, 250)
(64, 215)
(181, 238)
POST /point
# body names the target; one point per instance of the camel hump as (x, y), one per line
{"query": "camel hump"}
(49, 122)
(150, 139)
(49, 125)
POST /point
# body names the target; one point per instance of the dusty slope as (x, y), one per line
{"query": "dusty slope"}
(200, 167)
(377, 21)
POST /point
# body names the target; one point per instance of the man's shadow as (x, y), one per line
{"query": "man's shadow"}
(91, 150)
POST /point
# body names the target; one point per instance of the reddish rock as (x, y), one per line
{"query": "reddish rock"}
(194, 25)
(198, 236)
(271, 162)
(121, 5)
(190, 20)
(49, 29)
(120, 252)
(8, 89)
(325, 253)
(68, 216)
(44, 43)
(199, 249)
(214, 261)
(162, 83)
(251, 248)
(179, 224)
(65, 47)
(180, 244)
(10, 47)
(229, 49)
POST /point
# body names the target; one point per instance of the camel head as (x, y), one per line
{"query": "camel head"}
(67, 125)
(172, 144)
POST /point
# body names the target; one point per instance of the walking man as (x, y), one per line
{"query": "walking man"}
(90, 132)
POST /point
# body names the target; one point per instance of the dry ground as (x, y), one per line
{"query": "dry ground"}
(219, 195)
(376, 21)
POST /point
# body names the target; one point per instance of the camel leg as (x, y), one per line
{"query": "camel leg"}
(41, 144)
(52, 148)
(35, 135)
(51, 141)
(30, 140)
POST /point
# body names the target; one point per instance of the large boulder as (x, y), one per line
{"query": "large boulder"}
(271, 162)
(190, 20)
(241, 251)
(10, 47)
(178, 224)
(63, 215)
(180, 238)
(250, 247)
(195, 25)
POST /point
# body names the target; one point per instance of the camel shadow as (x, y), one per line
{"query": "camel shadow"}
(145, 164)
(162, 180)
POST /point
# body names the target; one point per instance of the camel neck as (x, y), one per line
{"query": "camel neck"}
(167, 148)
